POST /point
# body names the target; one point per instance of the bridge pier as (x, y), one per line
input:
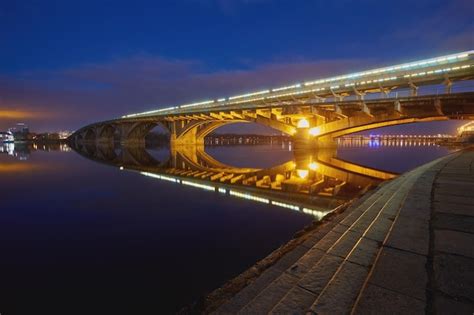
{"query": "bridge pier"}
(190, 138)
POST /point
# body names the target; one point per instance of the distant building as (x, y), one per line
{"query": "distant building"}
(6, 137)
(20, 132)
(47, 137)
(64, 134)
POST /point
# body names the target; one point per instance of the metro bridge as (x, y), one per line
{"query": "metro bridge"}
(314, 112)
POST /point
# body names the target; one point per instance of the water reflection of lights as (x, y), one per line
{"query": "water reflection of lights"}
(205, 187)
(170, 179)
(8, 148)
(380, 142)
(248, 196)
(285, 205)
(302, 173)
(244, 195)
(318, 214)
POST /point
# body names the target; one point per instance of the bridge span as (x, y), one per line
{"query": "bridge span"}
(316, 112)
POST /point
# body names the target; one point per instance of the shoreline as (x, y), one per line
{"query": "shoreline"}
(309, 234)
(212, 301)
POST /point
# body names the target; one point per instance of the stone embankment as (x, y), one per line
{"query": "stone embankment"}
(406, 248)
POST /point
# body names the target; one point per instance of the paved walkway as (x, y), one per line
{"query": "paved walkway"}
(407, 248)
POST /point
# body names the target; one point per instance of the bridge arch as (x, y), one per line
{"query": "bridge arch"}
(345, 127)
(90, 135)
(194, 132)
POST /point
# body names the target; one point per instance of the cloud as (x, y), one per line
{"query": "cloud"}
(448, 27)
(72, 97)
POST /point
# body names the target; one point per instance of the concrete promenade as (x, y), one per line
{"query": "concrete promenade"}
(406, 248)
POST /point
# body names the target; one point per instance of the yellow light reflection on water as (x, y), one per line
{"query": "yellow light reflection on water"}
(302, 173)
(303, 123)
(315, 131)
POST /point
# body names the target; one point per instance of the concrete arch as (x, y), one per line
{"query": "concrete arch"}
(135, 132)
(377, 116)
(105, 133)
(345, 127)
(195, 131)
(89, 134)
(210, 127)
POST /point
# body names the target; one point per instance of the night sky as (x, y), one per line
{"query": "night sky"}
(64, 64)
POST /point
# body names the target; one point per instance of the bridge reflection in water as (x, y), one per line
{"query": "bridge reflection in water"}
(313, 182)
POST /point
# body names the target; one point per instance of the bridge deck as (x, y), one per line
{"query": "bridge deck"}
(406, 248)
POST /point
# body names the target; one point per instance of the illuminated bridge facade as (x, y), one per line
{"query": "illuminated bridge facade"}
(314, 112)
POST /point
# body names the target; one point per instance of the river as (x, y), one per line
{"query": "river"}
(81, 235)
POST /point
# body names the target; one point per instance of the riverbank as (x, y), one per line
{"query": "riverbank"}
(392, 250)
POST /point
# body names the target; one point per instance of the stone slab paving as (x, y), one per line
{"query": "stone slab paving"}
(406, 248)
(427, 261)
(452, 226)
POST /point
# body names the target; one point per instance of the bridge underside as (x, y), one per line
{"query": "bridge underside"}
(309, 125)
(310, 173)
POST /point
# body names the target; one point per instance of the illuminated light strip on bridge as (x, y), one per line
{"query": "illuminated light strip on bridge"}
(427, 62)
(197, 104)
(295, 86)
(151, 112)
(245, 101)
(435, 71)
(407, 66)
(249, 94)
(374, 81)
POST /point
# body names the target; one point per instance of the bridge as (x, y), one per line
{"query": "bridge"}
(314, 112)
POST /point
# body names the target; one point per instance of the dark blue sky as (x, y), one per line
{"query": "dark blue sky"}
(67, 63)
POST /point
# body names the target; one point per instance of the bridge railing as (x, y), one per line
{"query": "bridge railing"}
(444, 69)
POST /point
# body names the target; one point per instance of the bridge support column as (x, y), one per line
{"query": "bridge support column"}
(326, 142)
(448, 85)
(413, 89)
(303, 140)
(190, 138)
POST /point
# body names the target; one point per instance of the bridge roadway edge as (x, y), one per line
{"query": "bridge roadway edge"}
(431, 227)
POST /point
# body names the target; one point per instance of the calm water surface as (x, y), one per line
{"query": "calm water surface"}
(81, 237)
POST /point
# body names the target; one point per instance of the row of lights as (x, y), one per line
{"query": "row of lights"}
(317, 213)
(407, 66)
